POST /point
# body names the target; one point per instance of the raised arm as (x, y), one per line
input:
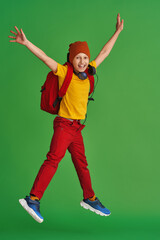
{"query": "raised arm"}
(21, 38)
(109, 45)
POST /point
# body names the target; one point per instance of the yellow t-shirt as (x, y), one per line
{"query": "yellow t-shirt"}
(74, 102)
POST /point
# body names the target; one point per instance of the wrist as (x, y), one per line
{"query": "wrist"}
(118, 31)
(26, 43)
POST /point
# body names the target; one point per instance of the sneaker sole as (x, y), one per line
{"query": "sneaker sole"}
(87, 206)
(30, 210)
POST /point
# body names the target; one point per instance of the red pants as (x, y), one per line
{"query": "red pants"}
(67, 135)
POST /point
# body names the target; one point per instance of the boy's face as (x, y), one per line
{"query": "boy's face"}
(80, 62)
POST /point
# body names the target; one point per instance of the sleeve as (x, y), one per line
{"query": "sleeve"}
(61, 70)
(93, 64)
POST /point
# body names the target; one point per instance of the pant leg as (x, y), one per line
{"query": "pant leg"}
(77, 150)
(59, 144)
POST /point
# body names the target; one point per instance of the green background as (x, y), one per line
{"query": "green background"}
(122, 134)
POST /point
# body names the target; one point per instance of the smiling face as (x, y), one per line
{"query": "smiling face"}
(80, 62)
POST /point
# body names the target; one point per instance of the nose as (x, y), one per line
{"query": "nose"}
(81, 60)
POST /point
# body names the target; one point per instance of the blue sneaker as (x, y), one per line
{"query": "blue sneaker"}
(32, 207)
(95, 206)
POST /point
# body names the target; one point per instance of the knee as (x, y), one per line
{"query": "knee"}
(52, 160)
(80, 160)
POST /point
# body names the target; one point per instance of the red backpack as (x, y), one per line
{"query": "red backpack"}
(51, 96)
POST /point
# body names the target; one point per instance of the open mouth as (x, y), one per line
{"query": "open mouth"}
(81, 66)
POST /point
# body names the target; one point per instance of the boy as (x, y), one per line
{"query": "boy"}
(67, 126)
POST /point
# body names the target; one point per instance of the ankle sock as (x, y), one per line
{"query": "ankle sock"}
(34, 198)
(92, 198)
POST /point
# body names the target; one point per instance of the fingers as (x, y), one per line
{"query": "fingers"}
(22, 32)
(12, 37)
(13, 32)
(118, 18)
(17, 30)
(122, 22)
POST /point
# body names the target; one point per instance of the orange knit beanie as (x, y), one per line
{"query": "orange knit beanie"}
(78, 47)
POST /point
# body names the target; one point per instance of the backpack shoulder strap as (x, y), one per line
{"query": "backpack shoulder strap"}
(67, 80)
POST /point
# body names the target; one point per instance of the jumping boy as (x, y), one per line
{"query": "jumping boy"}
(67, 125)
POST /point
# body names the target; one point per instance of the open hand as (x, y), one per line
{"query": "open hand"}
(119, 25)
(20, 36)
